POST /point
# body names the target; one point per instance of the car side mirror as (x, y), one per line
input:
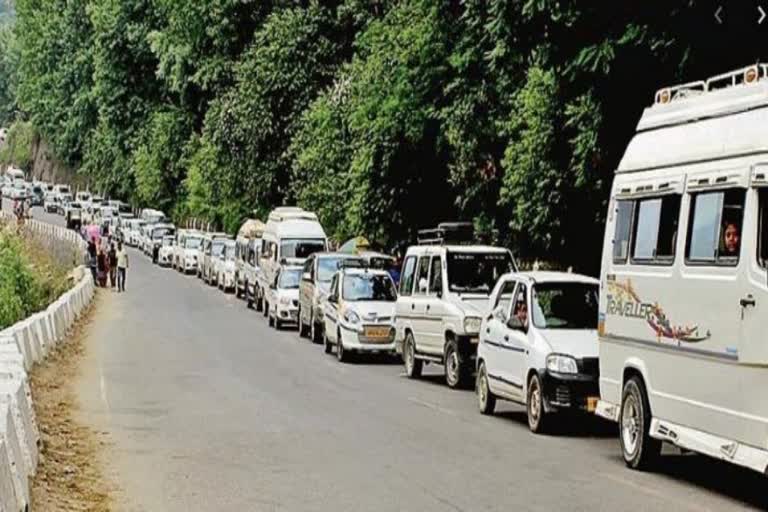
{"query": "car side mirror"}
(497, 313)
(332, 299)
(306, 276)
(422, 285)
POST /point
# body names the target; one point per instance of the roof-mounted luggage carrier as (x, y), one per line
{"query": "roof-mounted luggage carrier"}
(283, 213)
(722, 95)
(448, 233)
(743, 76)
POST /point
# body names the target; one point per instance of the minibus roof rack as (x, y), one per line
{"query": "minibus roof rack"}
(448, 233)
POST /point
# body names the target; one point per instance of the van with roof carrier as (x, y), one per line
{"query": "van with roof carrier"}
(684, 281)
(290, 236)
(444, 289)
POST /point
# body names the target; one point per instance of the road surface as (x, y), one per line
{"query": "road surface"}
(210, 409)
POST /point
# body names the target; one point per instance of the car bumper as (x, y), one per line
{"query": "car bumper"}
(570, 391)
(228, 281)
(357, 341)
(287, 313)
(190, 265)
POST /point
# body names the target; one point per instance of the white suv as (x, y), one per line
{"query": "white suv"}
(538, 346)
(444, 291)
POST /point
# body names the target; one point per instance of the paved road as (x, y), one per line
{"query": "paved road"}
(210, 409)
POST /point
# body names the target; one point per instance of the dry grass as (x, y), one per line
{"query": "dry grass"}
(69, 476)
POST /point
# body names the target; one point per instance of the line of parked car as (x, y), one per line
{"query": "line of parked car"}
(670, 342)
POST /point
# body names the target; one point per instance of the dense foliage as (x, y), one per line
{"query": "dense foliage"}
(382, 116)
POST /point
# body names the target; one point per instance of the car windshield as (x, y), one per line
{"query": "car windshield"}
(301, 248)
(192, 243)
(124, 208)
(289, 279)
(229, 252)
(476, 272)
(217, 247)
(326, 267)
(371, 287)
(565, 305)
(167, 242)
(158, 233)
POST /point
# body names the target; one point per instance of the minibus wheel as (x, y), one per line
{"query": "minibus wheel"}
(485, 397)
(639, 449)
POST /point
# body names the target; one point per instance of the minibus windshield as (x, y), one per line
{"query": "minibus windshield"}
(565, 305)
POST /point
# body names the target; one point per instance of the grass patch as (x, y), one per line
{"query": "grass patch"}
(30, 278)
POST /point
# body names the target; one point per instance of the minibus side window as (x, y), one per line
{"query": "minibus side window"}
(624, 210)
(655, 230)
(762, 229)
(714, 231)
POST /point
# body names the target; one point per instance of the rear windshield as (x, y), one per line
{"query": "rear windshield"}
(565, 305)
(217, 247)
(476, 272)
(326, 267)
(158, 233)
(229, 252)
(301, 248)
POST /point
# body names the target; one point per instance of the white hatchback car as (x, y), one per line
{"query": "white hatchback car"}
(283, 297)
(359, 313)
(165, 253)
(539, 346)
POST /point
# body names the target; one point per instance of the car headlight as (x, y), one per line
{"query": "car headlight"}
(559, 363)
(351, 317)
(472, 324)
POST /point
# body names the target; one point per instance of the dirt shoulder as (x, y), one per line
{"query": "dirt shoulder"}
(70, 475)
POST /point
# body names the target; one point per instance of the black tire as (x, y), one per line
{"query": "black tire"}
(413, 366)
(314, 331)
(270, 322)
(538, 419)
(303, 328)
(259, 301)
(485, 397)
(344, 356)
(278, 323)
(326, 341)
(456, 373)
(639, 449)
(265, 308)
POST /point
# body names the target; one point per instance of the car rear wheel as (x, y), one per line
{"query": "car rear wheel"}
(326, 341)
(303, 328)
(314, 330)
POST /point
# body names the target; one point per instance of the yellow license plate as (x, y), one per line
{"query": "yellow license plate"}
(592, 403)
(377, 332)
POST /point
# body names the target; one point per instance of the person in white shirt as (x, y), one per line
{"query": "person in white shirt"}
(122, 266)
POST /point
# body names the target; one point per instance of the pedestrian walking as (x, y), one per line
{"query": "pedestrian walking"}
(92, 259)
(112, 255)
(122, 266)
(101, 267)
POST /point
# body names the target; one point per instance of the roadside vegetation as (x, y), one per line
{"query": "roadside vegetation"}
(30, 279)
(382, 116)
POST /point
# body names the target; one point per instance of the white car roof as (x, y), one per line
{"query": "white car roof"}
(537, 276)
(418, 249)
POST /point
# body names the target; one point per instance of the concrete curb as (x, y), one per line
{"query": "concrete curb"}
(22, 345)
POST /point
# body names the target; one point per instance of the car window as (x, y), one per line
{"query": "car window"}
(714, 231)
(655, 230)
(504, 298)
(762, 229)
(476, 272)
(436, 275)
(565, 305)
(520, 305)
(624, 211)
(406, 281)
(422, 273)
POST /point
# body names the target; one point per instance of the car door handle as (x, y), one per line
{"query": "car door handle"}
(747, 301)
(506, 338)
(413, 306)
(488, 330)
(427, 307)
